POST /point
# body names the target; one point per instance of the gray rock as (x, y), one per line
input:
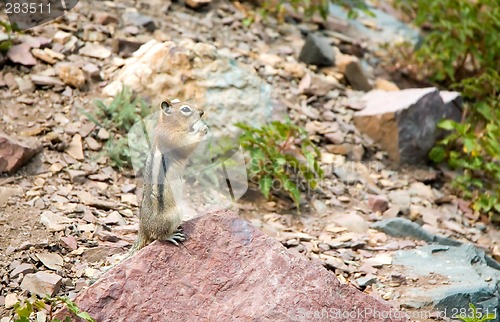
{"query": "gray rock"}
(454, 102)
(402, 227)
(95, 51)
(25, 85)
(7, 192)
(356, 76)
(317, 51)
(453, 109)
(76, 176)
(23, 268)
(335, 137)
(136, 19)
(403, 122)
(10, 81)
(346, 175)
(401, 199)
(91, 71)
(223, 87)
(470, 278)
(352, 221)
(389, 28)
(125, 47)
(54, 222)
(46, 80)
(366, 280)
(52, 261)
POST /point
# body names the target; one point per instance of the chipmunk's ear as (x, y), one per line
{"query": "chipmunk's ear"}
(166, 106)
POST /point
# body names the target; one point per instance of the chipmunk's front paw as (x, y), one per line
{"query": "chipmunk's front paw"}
(177, 237)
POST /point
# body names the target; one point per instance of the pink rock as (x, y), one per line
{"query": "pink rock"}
(226, 270)
(69, 242)
(21, 54)
(105, 18)
(14, 154)
(378, 203)
(42, 283)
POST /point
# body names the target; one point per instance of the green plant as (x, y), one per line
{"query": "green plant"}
(118, 152)
(282, 157)
(460, 49)
(474, 146)
(118, 116)
(310, 7)
(472, 315)
(463, 38)
(123, 110)
(25, 311)
(6, 43)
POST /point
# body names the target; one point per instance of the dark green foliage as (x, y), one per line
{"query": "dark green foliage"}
(122, 112)
(25, 311)
(475, 315)
(474, 146)
(462, 50)
(310, 7)
(463, 38)
(282, 158)
(118, 116)
(9, 30)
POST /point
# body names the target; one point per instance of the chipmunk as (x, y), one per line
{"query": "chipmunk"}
(178, 132)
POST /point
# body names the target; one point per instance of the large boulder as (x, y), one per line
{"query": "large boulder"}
(14, 154)
(228, 91)
(404, 122)
(226, 270)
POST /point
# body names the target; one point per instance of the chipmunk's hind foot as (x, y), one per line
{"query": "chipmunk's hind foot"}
(177, 237)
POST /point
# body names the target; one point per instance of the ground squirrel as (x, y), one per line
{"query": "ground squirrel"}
(178, 132)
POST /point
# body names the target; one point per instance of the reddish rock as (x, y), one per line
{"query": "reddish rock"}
(105, 18)
(195, 4)
(69, 242)
(378, 203)
(42, 283)
(226, 270)
(14, 154)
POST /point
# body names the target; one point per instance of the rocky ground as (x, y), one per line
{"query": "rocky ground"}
(68, 214)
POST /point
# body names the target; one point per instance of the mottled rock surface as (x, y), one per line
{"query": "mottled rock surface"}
(233, 91)
(42, 283)
(226, 270)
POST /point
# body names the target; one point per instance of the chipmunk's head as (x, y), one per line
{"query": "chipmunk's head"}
(180, 126)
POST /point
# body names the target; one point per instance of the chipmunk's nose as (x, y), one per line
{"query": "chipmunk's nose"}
(202, 112)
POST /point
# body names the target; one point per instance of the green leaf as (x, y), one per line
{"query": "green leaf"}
(85, 316)
(247, 21)
(265, 185)
(437, 154)
(447, 125)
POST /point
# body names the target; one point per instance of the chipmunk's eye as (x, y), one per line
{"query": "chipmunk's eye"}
(186, 110)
